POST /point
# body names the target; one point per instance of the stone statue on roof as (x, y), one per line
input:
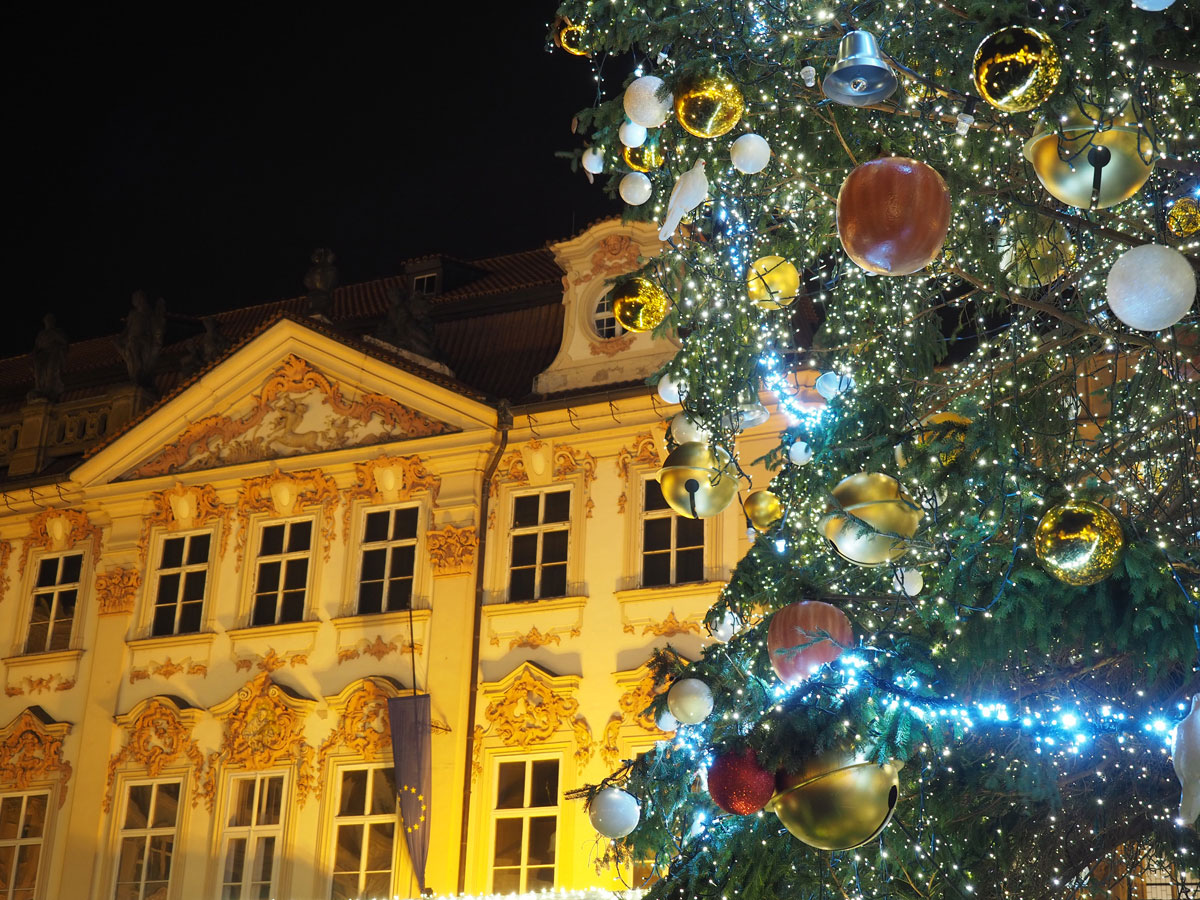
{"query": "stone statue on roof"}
(409, 325)
(49, 352)
(320, 280)
(140, 342)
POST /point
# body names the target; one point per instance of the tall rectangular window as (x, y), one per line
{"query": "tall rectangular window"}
(525, 826)
(365, 834)
(541, 528)
(672, 545)
(22, 830)
(182, 577)
(252, 837)
(147, 841)
(282, 578)
(55, 593)
(388, 561)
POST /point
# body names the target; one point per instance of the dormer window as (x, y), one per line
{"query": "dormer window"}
(425, 284)
(604, 320)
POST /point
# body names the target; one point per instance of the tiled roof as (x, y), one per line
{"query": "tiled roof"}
(512, 272)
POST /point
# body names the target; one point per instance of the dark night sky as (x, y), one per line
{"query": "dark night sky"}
(203, 159)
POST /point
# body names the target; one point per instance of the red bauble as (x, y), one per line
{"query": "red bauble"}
(738, 785)
(801, 623)
(893, 215)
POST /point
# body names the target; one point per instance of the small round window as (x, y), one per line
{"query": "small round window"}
(604, 321)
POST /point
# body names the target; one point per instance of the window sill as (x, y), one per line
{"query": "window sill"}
(262, 632)
(172, 642)
(169, 654)
(287, 640)
(522, 607)
(35, 673)
(707, 589)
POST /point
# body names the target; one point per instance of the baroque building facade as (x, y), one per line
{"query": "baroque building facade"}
(211, 588)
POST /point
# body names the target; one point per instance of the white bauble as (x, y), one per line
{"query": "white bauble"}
(636, 189)
(908, 581)
(666, 721)
(642, 104)
(800, 453)
(725, 629)
(614, 812)
(1151, 287)
(668, 389)
(831, 384)
(632, 134)
(1152, 5)
(690, 700)
(593, 160)
(750, 154)
(684, 430)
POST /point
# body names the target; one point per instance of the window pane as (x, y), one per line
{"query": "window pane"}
(70, 568)
(47, 572)
(348, 853)
(268, 577)
(198, 549)
(520, 585)
(189, 618)
(554, 580)
(370, 597)
(405, 526)
(540, 879)
(542, 830)
(354, 793)
(524, 549)
(377, 884)
(656, 569)
(689, 532)
(689, 566)
(37, 638)
(35, 816)
(272, 541)
(270, 801)
(264, 862)
(400, 594)
(299, 536)
(6, 858)
(10, 817)
(374, 564)
(293, 606)
(506, 881)
(654, 496)
(403, 560)
(137, 811)
(295, 574)
(129, 864)
(241, 810)
(27, 866)
(558, 507)
(41, 608)
(193, 585)
(164, 620)
(345, 886)
(543, 786)
(172, 554)
(510, 785)
(383, 792)
(158, 865)
(60, 633)
(379, 846)
(168, 588)
(166, 804)
(377, 527)
(656, 534)
(264, 610)
(554, 546)
(525, 511)
(508, 842)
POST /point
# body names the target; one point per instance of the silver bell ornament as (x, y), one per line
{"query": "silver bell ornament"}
(750, 412)
(861, 76)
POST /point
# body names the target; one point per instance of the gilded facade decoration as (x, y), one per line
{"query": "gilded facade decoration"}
(184, 508)
(534, 639)
(510, 470)
(297, 410)
(378, 648)
(116, 591)
(5, 553)
(476, 753)
(530, 711)
(634, 706)
(168, 668)
(643, 452)
(31, 752)
(390, 479)
(281, 493)
(612, 346)
(59, 529)
(39, 684)
(452, 550)
(363, 727)
(668, 627)
(156, 736)
(585, 747)
(614, 255)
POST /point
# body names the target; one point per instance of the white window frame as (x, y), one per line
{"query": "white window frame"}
(419, 282)
(540, 530)
(674, 518)
(363, 547)
(158, 571)
(366, 820)
(253, 571)
(55, 589)
(251, 833)
(42, 841)
(149, 831)
(601, 314)
(524, 813)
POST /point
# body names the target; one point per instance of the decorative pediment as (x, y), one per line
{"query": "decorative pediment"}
(182, 508)
(57, 530)
(639, 689)
(295, 410)
(31, 752)
(530, 706)
(158, 735)
(362, 724)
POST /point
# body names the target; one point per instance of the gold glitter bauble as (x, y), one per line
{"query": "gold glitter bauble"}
(698, 480)
(945, 426)
(835, 803)
(878, 501)
(1184, 217)
(1017, 68)
(571, 38)
(1038, 259)
(639, 304)
(764, 510)
(708, 106)
(644, 158)
(1079, 542)
(772, 282)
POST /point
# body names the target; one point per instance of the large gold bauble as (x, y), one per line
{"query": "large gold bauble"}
(644, 158)
(708, 106)
(878, 501)
(1036, 260)
(1184, 217)
(1070, 179)
(571, 38)
(698, 480)
(772, 282)
(1017, 68)
(1079, 542)
(764, 510)
(947, 425)
(639, 304)
(835, 803)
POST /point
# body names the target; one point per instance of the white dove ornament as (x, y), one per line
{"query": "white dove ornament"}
(1185, 756)
(688, 193)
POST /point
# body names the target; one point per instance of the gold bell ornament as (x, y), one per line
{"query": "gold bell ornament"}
(698, 479)
(772, 282)
(1017, 68)
(1079, 542)
(1096, 163)
(764, 509)
(860, 76)
(836, 802)
(639, 304)
(878, 501)
(708, 105)
(1035, 260)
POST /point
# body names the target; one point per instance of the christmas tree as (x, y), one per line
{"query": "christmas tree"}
(954, 661)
